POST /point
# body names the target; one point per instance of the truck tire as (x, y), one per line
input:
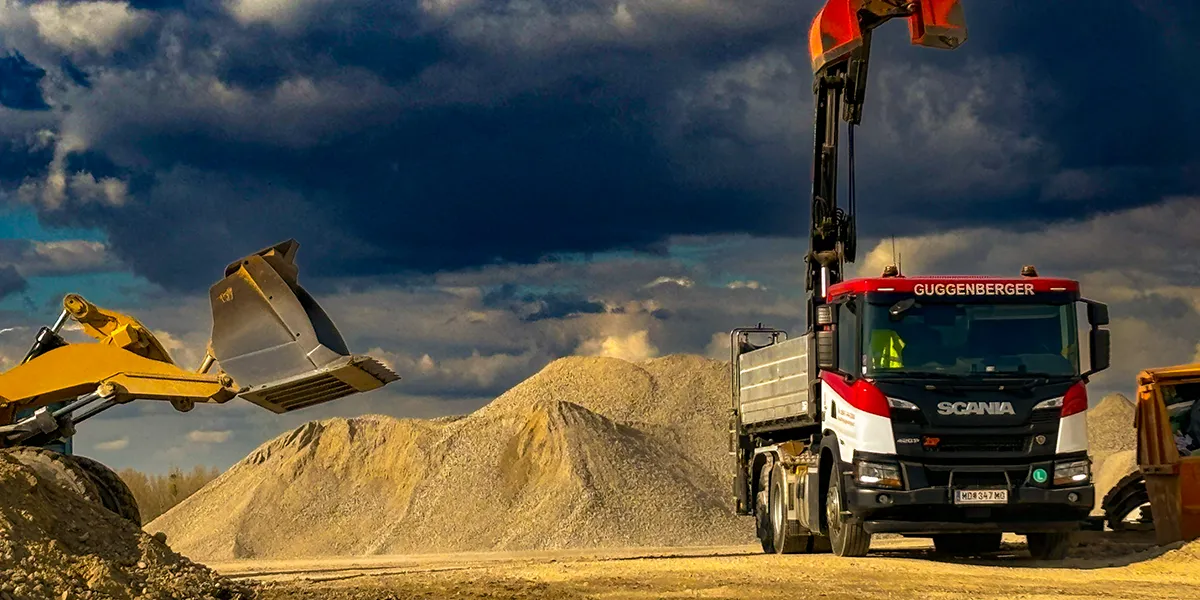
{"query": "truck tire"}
(1127, 496)
(786, 535)
(762, 510)
(114, 494)
(1049, 546)
(846, 539)
(967, 544)
(58, 468)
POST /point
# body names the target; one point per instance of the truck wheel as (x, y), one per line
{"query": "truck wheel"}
(114, 494)
(1127, 496)
(762, 511)
(967, 544)
(1048, 546)
(787, 536)
(846, 539)
(58, 468)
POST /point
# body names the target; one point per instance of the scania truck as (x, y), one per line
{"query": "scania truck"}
(946, 407)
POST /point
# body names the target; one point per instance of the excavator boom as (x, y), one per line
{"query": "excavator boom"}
(271, 344)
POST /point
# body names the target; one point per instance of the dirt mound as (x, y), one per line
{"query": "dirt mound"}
(54, 543)
(1110, 429)
(589, 452)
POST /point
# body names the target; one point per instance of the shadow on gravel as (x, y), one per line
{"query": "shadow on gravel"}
(1094, 550)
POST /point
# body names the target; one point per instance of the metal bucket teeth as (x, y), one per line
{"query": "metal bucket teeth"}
(354, 374)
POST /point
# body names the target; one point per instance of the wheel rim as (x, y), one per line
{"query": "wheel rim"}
(776, 510)
(833, 509)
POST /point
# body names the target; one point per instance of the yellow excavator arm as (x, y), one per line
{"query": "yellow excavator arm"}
(271, 342)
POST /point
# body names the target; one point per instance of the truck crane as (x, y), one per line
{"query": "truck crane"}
(949, 407)
(272, 345)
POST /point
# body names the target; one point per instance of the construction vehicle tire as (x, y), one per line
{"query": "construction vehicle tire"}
(847, 539)
(58, 468)
(968, 544)
(762, 512)
(1125, 497)
(1049, 546)
(114, 494)
(788, 538)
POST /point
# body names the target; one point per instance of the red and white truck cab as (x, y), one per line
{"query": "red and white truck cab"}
(947, 407)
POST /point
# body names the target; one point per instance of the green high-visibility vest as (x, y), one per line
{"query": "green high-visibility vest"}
(886, 349)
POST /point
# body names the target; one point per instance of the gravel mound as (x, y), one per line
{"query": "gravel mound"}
(1110, 428)
(55, 544)
(589, 452)
(1111, 435)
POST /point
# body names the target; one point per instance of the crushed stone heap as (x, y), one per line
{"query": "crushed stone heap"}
(1112, 444)
(589, 452)
(56, 544)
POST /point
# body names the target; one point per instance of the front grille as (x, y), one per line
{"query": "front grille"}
(975, 443)
(1002, 476)
(1044, 416)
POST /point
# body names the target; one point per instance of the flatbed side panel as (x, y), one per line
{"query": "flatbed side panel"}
(773, 382)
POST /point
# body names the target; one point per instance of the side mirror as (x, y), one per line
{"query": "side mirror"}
(1097, 313)
(1100, 349)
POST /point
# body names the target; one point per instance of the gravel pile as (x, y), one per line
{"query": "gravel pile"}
(590, 452)
(1110, 428)
(1112, 444)
(55, 544)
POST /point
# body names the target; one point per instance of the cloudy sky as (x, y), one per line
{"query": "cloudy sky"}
(480, 187)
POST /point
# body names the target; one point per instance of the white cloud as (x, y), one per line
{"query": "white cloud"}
(209, 437)
(679, 281)
(634, 346)
(102, 27)
(112, 445)
(749, 285)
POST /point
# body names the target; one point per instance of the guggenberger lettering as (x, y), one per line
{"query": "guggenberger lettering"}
(973, 289)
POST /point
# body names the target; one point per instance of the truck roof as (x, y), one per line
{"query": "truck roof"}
(955, 285)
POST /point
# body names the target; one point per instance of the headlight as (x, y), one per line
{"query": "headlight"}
(877, 474)
(1051, 403)
(1074, 472)
(902, 404)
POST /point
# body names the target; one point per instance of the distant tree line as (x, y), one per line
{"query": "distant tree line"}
(156, 494)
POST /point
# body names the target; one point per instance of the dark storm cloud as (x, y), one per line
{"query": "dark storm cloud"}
(533, 306)
(19, 81)
(11, 281)
(437, 135)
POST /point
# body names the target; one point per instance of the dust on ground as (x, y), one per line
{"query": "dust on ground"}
(56, 544)
(897, 569)
(589, 452)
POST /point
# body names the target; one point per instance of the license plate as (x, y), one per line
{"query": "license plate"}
(981, 496)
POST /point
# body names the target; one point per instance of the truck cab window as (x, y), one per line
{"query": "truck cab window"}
(847, 330)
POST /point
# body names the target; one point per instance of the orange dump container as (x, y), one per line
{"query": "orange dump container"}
(1172, 481)
(1189, 497)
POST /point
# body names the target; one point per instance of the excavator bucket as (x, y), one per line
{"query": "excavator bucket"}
(277, 343)
(840, 26)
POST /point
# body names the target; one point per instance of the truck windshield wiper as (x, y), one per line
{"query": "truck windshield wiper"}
(900, 375)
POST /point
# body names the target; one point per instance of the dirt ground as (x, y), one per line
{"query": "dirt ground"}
(896, 568)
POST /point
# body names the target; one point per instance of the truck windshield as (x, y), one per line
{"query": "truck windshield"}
(965, 339)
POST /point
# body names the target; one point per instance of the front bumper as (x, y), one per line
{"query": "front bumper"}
(932, 510)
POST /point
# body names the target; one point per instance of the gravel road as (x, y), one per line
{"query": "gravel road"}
(897, 568)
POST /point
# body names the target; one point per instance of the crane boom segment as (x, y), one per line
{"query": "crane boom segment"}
(840, 46)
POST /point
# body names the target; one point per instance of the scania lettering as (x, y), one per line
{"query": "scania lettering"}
(975, 408)
(947, 407)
